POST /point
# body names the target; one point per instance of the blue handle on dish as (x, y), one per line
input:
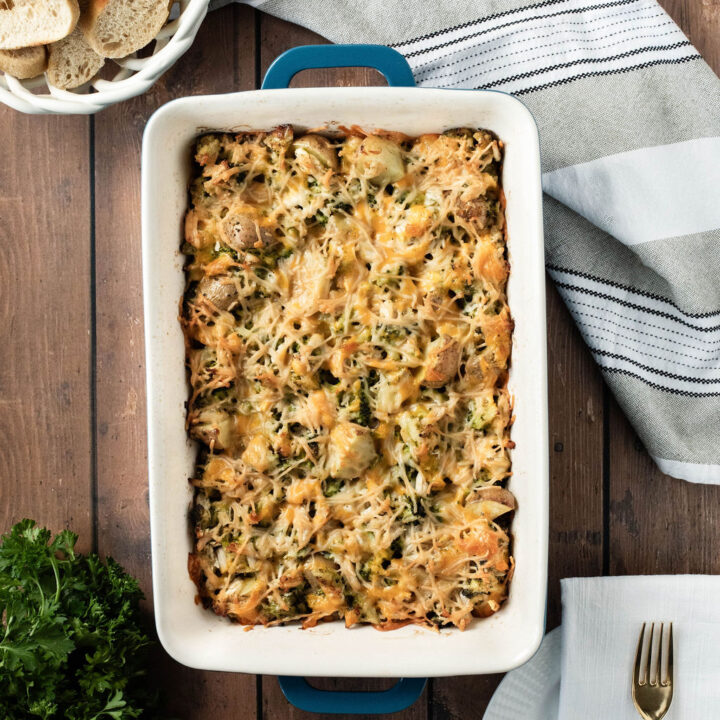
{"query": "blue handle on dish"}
(398, 74)
(305, 697)
(309, 57)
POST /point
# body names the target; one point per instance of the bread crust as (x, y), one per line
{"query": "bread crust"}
(24, 63)
(98, 14)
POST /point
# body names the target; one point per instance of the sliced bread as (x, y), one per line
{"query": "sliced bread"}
(27, 23)
(72, 62)
(25, 62)
(116, 28)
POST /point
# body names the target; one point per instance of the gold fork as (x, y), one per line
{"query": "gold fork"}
(652, 696)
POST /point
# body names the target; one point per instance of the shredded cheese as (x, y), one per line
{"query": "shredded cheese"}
(348, 339)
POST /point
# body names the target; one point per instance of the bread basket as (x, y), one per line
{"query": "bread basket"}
(135, 74)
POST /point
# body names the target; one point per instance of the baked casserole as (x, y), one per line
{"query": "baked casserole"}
(348, 338)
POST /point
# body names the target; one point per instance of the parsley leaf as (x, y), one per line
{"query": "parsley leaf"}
(72, 645)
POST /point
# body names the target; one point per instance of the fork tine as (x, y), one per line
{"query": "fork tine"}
(658, 671)
(638, 657)
(648, 664)
(669, 676)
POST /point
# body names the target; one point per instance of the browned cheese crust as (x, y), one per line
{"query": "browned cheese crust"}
(348, 338)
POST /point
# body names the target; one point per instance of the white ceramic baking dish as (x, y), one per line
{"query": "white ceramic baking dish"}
(195, 636)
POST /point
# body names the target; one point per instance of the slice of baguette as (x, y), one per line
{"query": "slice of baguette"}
(24, 63)
(116, 28)
(72, 62)
(28, 23)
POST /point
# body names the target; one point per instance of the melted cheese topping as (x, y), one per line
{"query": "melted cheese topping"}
(348, 338)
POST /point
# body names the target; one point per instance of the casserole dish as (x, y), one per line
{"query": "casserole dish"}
(196, 637)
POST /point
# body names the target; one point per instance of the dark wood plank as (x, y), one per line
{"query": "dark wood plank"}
(576, 455)
(276, 37)
(222, 59)
(45, 290)
(700, 21)
(659, 524)
(576, 491)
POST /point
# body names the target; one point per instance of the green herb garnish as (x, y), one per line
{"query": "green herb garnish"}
(73, 646)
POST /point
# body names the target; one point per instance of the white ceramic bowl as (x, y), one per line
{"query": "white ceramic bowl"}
(135, 75)
(195, 636)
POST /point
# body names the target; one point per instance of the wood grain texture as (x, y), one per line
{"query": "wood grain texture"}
(222, 59)
(45, 419)
(700, 21)
(658, 524)
(575, 396)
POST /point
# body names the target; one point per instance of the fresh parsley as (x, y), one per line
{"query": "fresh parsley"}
(72, 645)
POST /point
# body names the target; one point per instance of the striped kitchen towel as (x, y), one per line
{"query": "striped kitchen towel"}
(629, 118)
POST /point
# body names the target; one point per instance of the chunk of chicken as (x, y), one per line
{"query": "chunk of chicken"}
(380, 160)
(258, 454)
(350, 450)
(320, 411)
(242, 232)
(213, 427)
(443, 360)
(394, 389)
(314, 154)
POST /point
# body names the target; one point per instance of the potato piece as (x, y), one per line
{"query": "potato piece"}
(350, 450)
(493, 501)
(478, 211)
(242, 232)
(221, 292)
(315, 154)
(443, 360)
(380, 160)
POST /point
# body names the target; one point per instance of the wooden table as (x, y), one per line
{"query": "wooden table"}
(72, 385)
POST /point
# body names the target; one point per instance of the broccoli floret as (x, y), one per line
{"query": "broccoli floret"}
(290, 604)
(413, 510)
(396, 547)
(473, 588)
(363, 415)
(207, 149)
(482, 412)
(332, 486)
(364, 572)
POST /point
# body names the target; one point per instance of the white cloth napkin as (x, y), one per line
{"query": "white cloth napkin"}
(602, 618)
